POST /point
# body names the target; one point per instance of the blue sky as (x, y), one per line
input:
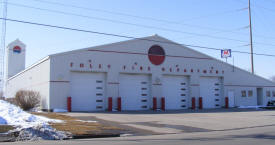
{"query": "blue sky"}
(213, 23)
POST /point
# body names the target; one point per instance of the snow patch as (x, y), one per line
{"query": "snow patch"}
(60, 110)
(17, 117)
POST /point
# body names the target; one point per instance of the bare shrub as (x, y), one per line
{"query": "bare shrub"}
(27, 99)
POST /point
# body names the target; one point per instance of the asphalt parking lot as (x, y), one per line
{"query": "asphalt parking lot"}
(200, 127)
(188, 121)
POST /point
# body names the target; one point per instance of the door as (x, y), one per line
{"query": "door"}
(135, 91)
(88, 91)
(176, 92)
(210, 91)
(231, 99)
(259, 96)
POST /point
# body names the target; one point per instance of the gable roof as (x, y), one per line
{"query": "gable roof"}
(158, 39)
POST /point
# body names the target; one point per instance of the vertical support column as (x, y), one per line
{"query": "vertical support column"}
(69, 104)
(110, 104)
(193, 103)
(200, 103)
(226, 102)
(119, 104)
(154, 103)
(163, 103)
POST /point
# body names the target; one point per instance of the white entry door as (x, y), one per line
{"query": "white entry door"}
(134, 90)
(231, 99)
(210, 91)
(176, 92)
(88, 91)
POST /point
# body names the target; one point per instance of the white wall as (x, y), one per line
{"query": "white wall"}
(35, 78)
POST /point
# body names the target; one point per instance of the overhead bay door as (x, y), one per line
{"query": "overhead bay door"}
(210, 91)
(176, 92)
(135, 91)
(88, 91)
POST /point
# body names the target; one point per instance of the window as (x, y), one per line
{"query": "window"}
(243, 93)
(273, 93)
(250, 93)
(268, 94)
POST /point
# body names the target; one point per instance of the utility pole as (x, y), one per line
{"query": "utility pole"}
(251, 40)
(3, 45)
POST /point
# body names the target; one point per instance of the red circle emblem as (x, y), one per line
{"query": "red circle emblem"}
(156, 55)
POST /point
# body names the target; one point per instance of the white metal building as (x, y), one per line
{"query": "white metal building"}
(136, 71)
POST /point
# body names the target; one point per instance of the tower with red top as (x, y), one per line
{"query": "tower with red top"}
(15, 58)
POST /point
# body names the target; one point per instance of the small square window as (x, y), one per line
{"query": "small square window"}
(273, 93)
(250, 93)
(268, 94)
(243, 93)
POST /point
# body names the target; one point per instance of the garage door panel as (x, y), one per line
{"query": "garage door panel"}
(135, 91)
(210, 90)
(88, 91)
(176, 92)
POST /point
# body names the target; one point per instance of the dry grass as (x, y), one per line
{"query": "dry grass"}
(77, 127)
(5, 128)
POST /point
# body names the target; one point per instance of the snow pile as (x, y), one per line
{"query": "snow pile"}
(41, 132)
(28, 126)
(13, 115)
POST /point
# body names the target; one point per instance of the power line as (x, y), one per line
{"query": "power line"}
(124, 36)
(127, 23)
(147, 26)
(135, 16)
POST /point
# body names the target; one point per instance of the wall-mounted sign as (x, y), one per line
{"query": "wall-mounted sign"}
(226, 53)
(17, 49)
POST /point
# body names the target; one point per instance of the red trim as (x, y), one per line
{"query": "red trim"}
(193, 103)
(247, 86)
(119, 104)
(200, 103)
(81, 65)
(59, 81)
(137, 53)
(163, 103)
(69, 104)
(110, 104)
(113, 83)
(226, 102)
(154, 103)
